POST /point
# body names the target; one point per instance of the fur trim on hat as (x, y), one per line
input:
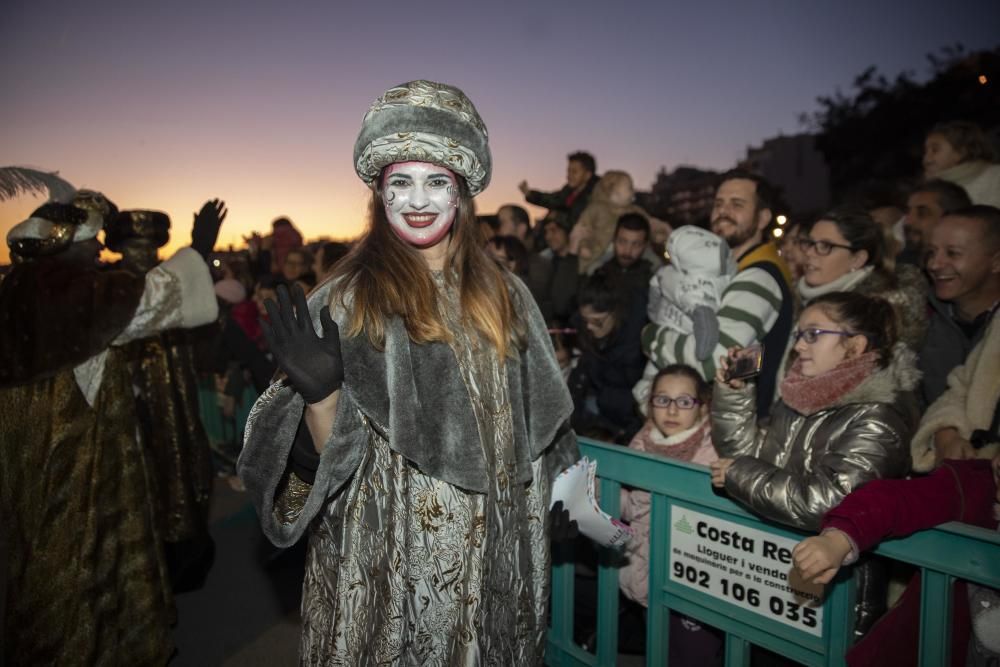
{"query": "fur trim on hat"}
(151, 226)
(424, 121)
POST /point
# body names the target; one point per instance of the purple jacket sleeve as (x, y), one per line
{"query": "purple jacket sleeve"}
(956, 491)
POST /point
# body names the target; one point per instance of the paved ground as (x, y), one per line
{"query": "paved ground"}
(247, 614)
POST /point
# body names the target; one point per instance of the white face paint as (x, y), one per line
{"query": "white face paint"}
(421, 200)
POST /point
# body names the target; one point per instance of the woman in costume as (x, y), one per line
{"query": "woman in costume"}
(422, 418)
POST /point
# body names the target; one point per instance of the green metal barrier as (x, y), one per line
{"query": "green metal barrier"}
(223, 431)
(749, 609)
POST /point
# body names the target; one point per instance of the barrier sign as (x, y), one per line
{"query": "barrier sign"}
(743, 566)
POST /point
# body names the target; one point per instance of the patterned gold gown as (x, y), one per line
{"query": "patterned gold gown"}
(162, 368)
(85, 577)
(82, 573)
(405, 569)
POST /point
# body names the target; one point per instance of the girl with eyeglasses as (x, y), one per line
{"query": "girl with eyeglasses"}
(678, 427)
(845, 417)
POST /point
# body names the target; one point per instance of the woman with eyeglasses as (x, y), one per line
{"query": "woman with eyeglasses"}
(845, 417)
(845, 251)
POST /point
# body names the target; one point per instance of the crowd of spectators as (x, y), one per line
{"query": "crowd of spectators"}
(876, 321)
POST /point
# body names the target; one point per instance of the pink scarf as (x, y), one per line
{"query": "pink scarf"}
(682, 451)
(809, 395)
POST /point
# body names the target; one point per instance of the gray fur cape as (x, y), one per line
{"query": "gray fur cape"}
(415, 396)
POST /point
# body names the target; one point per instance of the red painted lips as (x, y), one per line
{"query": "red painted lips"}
(419, 220)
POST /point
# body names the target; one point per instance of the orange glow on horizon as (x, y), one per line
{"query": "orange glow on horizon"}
(340, 215)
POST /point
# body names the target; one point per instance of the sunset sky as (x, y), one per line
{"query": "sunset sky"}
(164, 105)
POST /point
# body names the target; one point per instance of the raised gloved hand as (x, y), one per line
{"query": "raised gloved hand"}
(312, 363)
(205, 231)
(561, 527)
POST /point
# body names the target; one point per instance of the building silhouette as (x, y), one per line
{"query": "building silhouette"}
(681, 197)
(797, 169)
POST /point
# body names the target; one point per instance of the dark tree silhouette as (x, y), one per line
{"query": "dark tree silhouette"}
(876, 131)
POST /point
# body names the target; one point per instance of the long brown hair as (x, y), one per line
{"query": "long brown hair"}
(388, 277)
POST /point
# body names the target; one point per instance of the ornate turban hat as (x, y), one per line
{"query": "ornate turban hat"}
(53, 227)
(151, 226)
(424, 121)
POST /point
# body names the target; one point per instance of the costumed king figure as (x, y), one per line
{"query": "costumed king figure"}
(421, 420)
(84, 577)
(162, 367)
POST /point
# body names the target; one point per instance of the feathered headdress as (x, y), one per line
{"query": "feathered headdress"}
(17, 181)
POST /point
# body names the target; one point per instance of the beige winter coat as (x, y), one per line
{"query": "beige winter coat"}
(980, 179)
(595, 229)
(968, 403)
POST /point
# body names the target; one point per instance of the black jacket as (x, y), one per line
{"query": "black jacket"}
(557, 201)
(609, 368)
(946, 346)
(563, 284)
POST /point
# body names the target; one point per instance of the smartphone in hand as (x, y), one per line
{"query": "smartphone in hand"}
(746, 363)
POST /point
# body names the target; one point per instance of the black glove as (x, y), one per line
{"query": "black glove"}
(205, 231)
(561, 527)
(313, 364)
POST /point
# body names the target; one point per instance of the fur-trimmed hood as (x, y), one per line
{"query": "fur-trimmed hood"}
(885, 384)
(907, 290)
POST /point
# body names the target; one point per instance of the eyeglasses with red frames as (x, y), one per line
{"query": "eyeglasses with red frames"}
(683, 402)
(811, 335)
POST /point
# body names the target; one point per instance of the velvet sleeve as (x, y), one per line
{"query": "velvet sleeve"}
(882, 509)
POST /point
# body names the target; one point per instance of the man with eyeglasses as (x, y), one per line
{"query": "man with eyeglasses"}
(757, 305)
